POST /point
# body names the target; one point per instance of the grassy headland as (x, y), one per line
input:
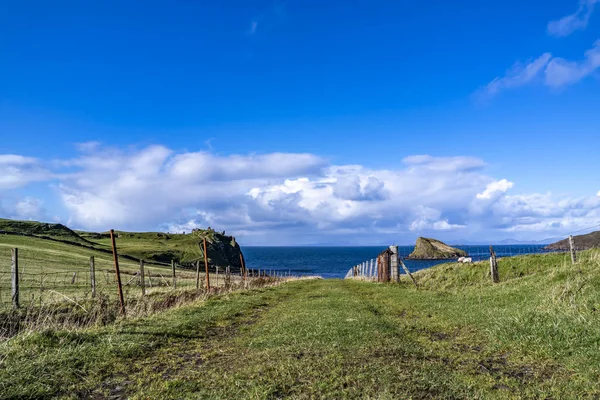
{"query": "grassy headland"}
(49, 255)
(534, 335)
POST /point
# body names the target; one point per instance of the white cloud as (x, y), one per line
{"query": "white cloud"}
(444, 164)
(13, 159)
(519, 75)
(17, 171)
(156, 186)
(557, 72)
(561, 72)
(29, 208)
(289, 198)
(495, 188)
(576, 21)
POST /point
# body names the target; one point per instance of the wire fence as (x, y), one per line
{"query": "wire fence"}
(27, 279)
(391, 264)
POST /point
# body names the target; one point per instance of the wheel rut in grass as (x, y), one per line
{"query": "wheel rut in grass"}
(181, 352)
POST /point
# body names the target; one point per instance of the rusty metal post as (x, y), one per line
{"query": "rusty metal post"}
(117, 272)
(244, 270)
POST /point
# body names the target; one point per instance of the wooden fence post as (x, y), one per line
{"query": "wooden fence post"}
(149, 278)
(408, 272)
(174, 275)
(573, 254)
(14, 269)
(143, 277)
(93, 276)
(217, 276)
(395, 268)
(117, 272)
(197, 275)
(206, 266)
(494, 266)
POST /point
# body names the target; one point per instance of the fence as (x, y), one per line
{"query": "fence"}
(389, 263)
(37, 278)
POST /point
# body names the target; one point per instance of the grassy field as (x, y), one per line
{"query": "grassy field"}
(154, 247)
(534, 335)
(47, 271)
(54, 261)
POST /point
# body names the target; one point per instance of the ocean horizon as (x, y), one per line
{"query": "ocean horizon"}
(335, 261)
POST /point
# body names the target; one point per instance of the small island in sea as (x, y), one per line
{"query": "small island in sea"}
(433, 249)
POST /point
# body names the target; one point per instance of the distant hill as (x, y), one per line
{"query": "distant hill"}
(41, 229)
(581, 242)
(155, 247)
(432, 249)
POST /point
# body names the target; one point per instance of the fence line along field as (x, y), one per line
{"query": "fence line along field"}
(55, 264)
(58, 270)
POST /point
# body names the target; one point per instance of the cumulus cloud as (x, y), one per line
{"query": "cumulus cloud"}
(573, 22)
(283, 198)
(495, 188)
(154, 185)
(291, 195)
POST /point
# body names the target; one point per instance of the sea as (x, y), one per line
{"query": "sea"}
(334, 262)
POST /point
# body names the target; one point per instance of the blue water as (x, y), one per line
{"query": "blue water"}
(334, 262)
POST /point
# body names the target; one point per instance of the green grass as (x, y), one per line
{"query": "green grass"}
(534, 335)
(47, 269)
(42, 229)
(154, 247)
(54, 261)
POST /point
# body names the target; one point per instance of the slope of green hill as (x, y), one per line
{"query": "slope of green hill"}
(164, 247)
(41, 230)
(150, 246)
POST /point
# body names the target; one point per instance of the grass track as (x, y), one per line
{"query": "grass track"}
(309, 339)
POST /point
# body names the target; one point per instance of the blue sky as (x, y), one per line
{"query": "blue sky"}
(303, 122)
